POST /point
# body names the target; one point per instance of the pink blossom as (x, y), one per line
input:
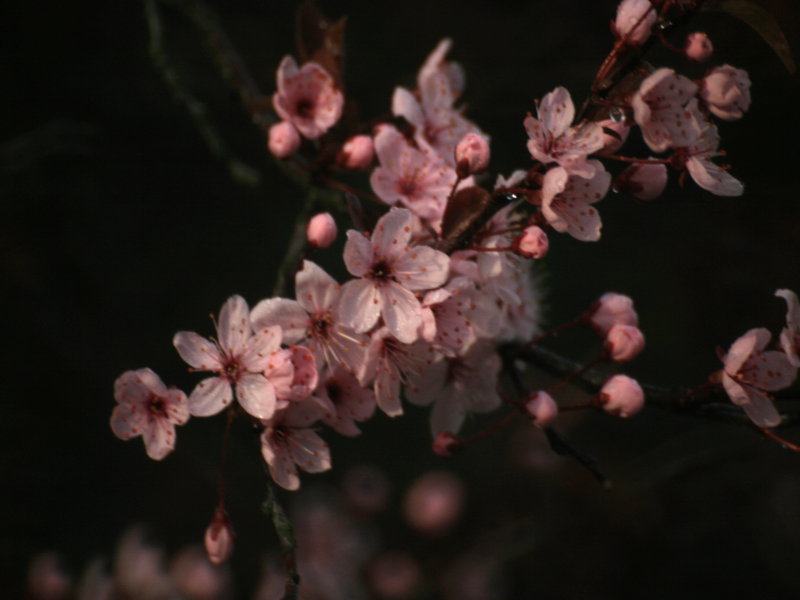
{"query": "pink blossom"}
(307, 97)
(472, 155)
(138, 570)
(458, 386)
(613, 309)
(623, 342)
(415, 178)
(447, 315)
(533, 243)
(312, 319)
(553, 140)
(541, 407)
(634, 22)
(621, 396)
(357, 153)
(437, 125)
(196, 578)
(283, 140)
(321, 230)
(698, 47)
(390, 270)
(790, 336)
(698, 155)
(749, 373)
(445, 444)
(148, 408)
(289, 441)
(642, 181)
(219, 538)
(346, 402)
(726, 92)
(659, 108)
(566, 201)
(239, 356)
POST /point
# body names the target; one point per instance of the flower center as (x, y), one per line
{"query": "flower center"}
(304, 108)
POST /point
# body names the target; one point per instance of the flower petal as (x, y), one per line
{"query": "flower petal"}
(210, 396)
(288, 314)
(197, 351)
(233, 328)
(402, 312)
(256, 394)
(359, 305)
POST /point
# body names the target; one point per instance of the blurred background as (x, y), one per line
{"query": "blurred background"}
(120, 228)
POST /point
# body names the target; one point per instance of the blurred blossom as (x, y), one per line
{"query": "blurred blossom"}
(96, 583)
(196, 578)
(139, 569)
(366, 489)
(434, 502)
(46, 579)
(394, 575)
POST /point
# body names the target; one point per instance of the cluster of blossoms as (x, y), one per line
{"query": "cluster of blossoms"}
(442, 281)
(750, 371)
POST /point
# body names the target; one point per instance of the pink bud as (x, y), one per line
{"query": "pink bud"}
(533, 242)
(472, 155)
(542, 408)
(698, 47)
(624, 343)
(635, 20)
(283, 140)
(445, 444)
(612, 309)
(357, 152)
(615, 136)
(726, 91)
(434, 503)
(642, 181)
(321, 230)
(621, 396)
(219, 538)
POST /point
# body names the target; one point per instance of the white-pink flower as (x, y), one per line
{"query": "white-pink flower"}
(390, 270)
(289, 441)
(238, 356)
(552, 139)
(148, 408)
(566, 201)
(698, 155)
(414, 177)
(750, 373)
(345, 400)
(726, 92)
(659, 108)
(307, 97)
(312, 318)
(790, 336)
(447, 316)
(635, 20)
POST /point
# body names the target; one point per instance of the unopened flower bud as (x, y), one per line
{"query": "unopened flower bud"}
(357, 152)
(533, 242)
(472, 155)
(726, 91)
(219, 538)
(642, 181)
(434, 502)
(698, 47)
(283, 140)
(635, 20)
(614, 135)
(541, 407)
(621, 396)
(321, 230)
(445, 444)
(624, 343)
(612, 309)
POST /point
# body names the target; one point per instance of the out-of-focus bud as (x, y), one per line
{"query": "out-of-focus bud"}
(726, 91)
(321, 230)
(635, 19)
(698, 47)
(533, 242)
(434, 502)
(624, 343)
(642, 181)
(394, 576)
(219, 538)
(283, 140)
(612, 309)
(542, 408)
(445, 444)
(472, 155)
(621, 396)
(357, 152)
(614, 135)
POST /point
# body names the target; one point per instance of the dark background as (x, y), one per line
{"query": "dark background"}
(120, 228)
